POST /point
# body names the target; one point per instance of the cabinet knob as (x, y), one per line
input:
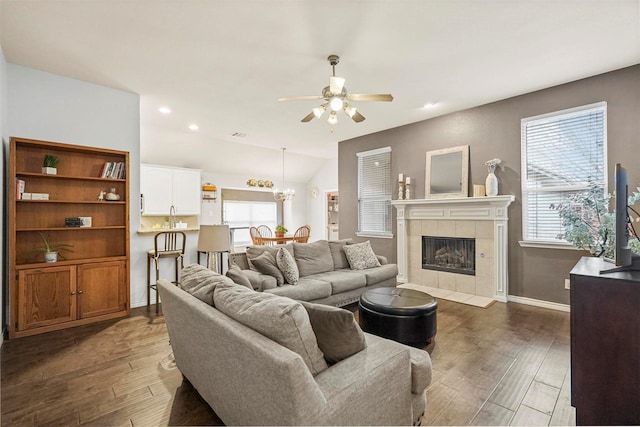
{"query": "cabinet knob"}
(73, 292)
(79, 292)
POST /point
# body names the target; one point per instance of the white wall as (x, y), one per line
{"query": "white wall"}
(326, 179)
(3, 137)
(55, 108)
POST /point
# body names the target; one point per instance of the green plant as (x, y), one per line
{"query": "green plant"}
(52, 247)
(50, 161)
(280, 228)
(588, 224)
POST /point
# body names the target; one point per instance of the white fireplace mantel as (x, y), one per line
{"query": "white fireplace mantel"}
(492, 209)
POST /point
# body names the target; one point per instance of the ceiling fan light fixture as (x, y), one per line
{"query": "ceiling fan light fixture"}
(336, 104)
(349, 110)
(336, 84)
(318, 111)
(333, 118)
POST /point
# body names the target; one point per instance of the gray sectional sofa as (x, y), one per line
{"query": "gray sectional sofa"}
(326, 276)
(236, 350)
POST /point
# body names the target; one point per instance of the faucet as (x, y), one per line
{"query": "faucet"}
(172, 217)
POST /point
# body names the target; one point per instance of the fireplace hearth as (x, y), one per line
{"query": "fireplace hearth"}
(452, 254)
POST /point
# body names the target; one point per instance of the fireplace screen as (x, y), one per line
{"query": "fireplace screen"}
(456, 255)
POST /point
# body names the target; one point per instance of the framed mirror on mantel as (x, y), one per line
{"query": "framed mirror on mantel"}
(447, 173)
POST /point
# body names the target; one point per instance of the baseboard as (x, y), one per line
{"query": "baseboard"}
(539, 303)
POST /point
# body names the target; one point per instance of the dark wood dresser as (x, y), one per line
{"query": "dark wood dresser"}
(605, 344)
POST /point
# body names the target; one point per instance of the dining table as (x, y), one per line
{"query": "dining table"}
(279, 240)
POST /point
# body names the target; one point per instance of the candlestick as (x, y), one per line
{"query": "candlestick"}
(407, 180)
(400, 177)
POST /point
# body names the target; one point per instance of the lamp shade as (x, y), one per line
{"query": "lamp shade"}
(214, 238)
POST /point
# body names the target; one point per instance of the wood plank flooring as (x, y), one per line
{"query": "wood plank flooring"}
(504, 365)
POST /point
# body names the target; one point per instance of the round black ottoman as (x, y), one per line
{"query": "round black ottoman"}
(403, 315)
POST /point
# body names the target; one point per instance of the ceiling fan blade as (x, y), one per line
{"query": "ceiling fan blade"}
(385, 97)
(301, 98)
(336, 84)
(308, 117)
(357, 117)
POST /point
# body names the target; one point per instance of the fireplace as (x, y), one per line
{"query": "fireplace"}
(452, 254)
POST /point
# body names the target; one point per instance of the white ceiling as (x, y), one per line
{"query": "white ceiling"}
(224, 63)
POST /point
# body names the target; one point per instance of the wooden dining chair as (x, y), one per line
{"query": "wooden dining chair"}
(256, 238)
(265, 231)
(302, 234)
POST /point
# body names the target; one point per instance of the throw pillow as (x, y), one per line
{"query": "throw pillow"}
(287, 265)
(338, 334)
(200, 282)
(337, 253)
(236, 274)
(313, 258)
(361, 256)
(281, 319)
(266, 264)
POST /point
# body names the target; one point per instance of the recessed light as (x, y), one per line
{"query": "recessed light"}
(164, 110)
(429, 104)
(239, 135)
(193, 126)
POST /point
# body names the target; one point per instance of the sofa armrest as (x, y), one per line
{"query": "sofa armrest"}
(420, 370)
(372, 387)
(382, 259)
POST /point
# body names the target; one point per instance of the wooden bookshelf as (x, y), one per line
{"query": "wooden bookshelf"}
(92, 283)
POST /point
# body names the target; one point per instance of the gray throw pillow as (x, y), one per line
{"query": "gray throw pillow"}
(361, 256)
(200, 282)
(236, 274)
(266, 264)
(313, 258)
(337, 332)
(287, 265)
(281, 319)
(340, 260)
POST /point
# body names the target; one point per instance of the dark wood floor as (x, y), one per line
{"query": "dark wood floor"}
(508, 364)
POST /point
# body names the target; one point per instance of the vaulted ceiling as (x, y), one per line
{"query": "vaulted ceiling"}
(222, 64)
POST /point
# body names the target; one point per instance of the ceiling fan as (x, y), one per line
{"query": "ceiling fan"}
(336, 98)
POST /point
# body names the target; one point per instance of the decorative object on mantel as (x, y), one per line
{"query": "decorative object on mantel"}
(491, 183)
(401, 187)
(407, 188)
(284, 194)
(447, 173)
(209, 192)
(479, 190)
(49, 164)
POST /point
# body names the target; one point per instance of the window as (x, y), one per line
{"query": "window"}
(562, 153)
(246, 214)
(374, 193)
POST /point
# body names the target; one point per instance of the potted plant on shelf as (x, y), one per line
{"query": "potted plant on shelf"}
(280, 230)
(50, 250)
(49, 164)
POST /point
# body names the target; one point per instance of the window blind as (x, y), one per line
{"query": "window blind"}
(374, 192)
(248, 214)
(562, 153)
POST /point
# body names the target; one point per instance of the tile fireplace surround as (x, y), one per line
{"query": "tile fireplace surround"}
(482, 218)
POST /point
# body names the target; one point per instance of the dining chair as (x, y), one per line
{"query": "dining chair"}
(302, 234)
(265, 231)
(256, 238)
(166, 244)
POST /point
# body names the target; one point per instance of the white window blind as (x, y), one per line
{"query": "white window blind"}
(374, 193)
(562, 153)
(248, 214)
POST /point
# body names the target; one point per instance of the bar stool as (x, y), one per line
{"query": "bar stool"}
(166, 244)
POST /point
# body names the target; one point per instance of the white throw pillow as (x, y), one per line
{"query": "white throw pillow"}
(361, 256)
(288, 267)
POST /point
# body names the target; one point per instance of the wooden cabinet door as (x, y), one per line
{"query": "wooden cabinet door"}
(186, 191)
(156, 188)
(46, 296)
(101, 288)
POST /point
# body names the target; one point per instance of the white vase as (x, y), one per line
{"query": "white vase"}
(491, 184)
(50, 257)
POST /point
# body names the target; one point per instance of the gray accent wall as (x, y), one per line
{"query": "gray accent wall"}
(493, 130)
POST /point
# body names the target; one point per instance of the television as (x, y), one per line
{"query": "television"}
(625, 259)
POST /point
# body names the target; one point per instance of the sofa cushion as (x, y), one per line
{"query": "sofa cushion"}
(288, 267)
(265, 263)
(342, 280)
(238, 276)
(254, 251)
(200, 282)
(283, 320)
(337, 331)
(307, 289)
(259, 281)
(313, 258)
(337, 253)
(361, 256)
(379, 274)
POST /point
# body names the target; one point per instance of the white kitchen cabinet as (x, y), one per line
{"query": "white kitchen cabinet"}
(162, 187)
